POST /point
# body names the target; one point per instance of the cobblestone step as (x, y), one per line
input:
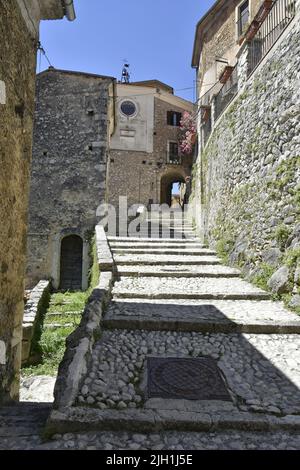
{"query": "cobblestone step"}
(84, 419)
(178, 271)
(165, 251)
(172, 226)
(150, 244)
(56, 314)
(261, 374)
(206, 316)
(58, 325)
(168, 314)
(171, 260)
(23, 419)
(152, 240)
(184, 288)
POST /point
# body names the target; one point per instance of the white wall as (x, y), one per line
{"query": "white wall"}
(139, 129)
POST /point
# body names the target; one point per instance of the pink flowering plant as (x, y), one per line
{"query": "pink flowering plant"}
(188, 127)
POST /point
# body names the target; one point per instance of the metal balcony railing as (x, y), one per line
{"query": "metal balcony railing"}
(267, 33)
(267, 26)
(227, 93)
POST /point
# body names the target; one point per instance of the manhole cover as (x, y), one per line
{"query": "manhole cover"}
(185, 378)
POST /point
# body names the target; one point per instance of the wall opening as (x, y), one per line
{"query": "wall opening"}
(170, 192)
(71, 255)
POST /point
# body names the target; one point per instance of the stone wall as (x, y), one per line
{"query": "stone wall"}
(35, 309)
(17, 72)
(138, 175)
(68, 178)
(249, 173)
(19, 30)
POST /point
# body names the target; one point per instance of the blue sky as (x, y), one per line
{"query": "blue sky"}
(155, 36)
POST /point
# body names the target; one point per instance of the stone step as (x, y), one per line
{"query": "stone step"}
(178, 271)
(166, 229)
(165, 251)
(152, 240)
(179, 223)
(206, 316)
(176, 235)
(58, 325)
(145, 380)
(56, 314)
(172, 260)
(187, 288)
(23, 419)
(83, 419)
(151, 244)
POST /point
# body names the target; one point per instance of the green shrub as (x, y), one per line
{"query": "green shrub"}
(261, 279)
(281, 235)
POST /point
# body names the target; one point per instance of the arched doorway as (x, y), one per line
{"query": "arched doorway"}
(170, 188)
(71, 263)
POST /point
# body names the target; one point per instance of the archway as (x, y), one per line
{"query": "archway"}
(169, 187)
(71, 263)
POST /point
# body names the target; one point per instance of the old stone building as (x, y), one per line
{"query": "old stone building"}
(145, 159)
(219, 37)
(83, 156)
(74, 122)
(19, 31)
(246, 177)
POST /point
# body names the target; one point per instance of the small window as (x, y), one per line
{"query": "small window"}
(173, 118)
(173, 152)
(243, 17)
(128, 108)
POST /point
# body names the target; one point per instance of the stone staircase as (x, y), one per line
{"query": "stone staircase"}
(191, 357)
(188, 347)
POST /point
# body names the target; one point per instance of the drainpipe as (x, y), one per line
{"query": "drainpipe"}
(69, 9)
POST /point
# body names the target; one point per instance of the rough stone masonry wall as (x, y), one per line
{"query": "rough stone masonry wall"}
(220, 39)
(251, 173)
(68, 167)
(17, 71)
(35, 308)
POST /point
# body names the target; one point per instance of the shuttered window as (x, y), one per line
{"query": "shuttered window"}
(173, 118)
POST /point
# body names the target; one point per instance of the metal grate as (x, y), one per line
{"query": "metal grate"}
(185, 379)
(227, 93)
(281, 14)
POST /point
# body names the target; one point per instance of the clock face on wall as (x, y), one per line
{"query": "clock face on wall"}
(128, 108)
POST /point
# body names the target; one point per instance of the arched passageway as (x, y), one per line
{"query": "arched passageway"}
(170, 188)
(71, 263)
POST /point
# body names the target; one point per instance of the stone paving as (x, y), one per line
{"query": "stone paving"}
(154, 314)
(181, 270)
(170, 287)
(202, 315)
(108, 441)
(262, 371)
(171, 306)
(146, 259)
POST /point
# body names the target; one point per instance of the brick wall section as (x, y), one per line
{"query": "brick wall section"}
(137, 175)
(17, 71)
(69, 163)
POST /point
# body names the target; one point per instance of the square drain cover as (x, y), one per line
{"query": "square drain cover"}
(185, 378)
